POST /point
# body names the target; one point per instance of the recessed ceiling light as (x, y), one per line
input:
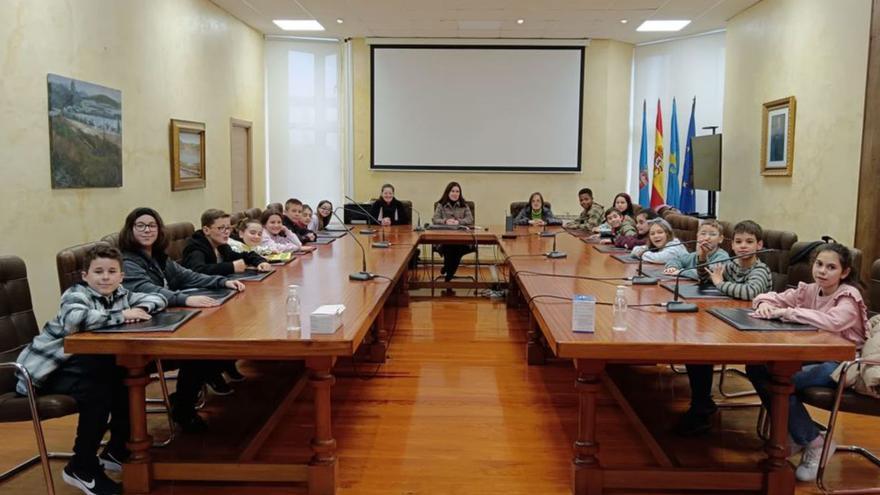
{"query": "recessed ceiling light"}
(339, 21)
(298, 24)
(623, 21)
(520, 21)
(663, 25)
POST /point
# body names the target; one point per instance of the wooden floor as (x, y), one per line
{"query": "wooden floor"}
(455, 410)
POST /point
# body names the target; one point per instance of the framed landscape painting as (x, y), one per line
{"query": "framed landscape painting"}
(777, 140)
(85, 134)
(187, 155)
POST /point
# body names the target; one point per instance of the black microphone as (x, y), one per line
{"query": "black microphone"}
(676, 306)
(418, 227)
(553, 253)
(641, 278)
(362, 275)
(382, 243)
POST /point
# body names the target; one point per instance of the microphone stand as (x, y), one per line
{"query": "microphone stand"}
(382, 243)
(676, 306)
(418, 227)
(363, 275)
(641, 278)
(554, 254)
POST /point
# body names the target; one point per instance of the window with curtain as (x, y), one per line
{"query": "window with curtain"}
(303, 121)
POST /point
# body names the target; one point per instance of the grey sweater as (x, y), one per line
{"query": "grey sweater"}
(82, 308)
(742, 283)
(165, 276)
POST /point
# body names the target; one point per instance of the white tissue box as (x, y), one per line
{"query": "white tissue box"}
(327, 319)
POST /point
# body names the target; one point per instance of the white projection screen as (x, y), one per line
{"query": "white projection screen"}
(477, 107)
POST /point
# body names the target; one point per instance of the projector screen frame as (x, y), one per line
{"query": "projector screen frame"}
(580, 48)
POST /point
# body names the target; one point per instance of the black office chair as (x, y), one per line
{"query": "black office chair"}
(18, 326)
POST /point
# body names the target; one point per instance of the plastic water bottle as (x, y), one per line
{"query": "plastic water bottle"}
(619, 324)
(293, 309)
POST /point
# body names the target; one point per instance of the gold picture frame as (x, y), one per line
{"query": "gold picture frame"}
(187, 155)
(777, 137)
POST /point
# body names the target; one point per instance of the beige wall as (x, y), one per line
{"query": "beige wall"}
(816, 51)
(183, 59)
(608, 66)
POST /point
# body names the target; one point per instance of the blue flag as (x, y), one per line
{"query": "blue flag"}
(644, 183)
(672, 189)
(687, 202)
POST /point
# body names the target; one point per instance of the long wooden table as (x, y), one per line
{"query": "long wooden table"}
(252, 326)
(655, 336)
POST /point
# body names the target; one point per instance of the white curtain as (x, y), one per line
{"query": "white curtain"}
(683, 69)
(305, 135)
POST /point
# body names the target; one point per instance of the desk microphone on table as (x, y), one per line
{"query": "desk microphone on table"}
(362, 275)
(382, 243)
(641, 278)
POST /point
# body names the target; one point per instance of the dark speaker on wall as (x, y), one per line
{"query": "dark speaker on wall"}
(707, 162)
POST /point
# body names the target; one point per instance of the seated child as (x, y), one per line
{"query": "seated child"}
(592, 215)
(208, 250)
(620, 226)
(832, 303)
(709, 238)
(742, 278)
(94, 381)
(310, 220)
(292, 219)
(641, 237)
(278, 238)
(662, 244)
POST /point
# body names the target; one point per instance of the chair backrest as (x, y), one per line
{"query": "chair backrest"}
(69, 262)
(470, 204)
(254, 213)
(517, 206)
(777, 261)
(802, 270)
(727, 232)
(178, 233)
(684, 227)
(407, 206)
(112, 239)
(236, 217)
(18, 325)
(874, 287)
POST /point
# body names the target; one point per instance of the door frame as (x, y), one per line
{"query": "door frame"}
(248, 127)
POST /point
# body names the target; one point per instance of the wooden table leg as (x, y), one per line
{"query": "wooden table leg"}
(401, 290)
(514, 296)
(535, 353)
(323, 466)
(379, 343)
(779, 474)
(586, 474)
(137, 472)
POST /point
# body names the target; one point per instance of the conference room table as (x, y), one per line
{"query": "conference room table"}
(253, 326)
(653, 336)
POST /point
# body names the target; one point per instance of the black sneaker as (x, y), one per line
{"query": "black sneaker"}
(219, 386)
(96, 483)
(694, 423)
(113, 462)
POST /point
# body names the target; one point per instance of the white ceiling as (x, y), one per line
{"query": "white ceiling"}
(487, 18)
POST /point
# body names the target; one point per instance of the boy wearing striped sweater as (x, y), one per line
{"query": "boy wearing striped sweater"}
(94, 381)
(743, 278)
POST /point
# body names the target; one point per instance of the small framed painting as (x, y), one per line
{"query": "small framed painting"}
(187, 155)
(777, 140)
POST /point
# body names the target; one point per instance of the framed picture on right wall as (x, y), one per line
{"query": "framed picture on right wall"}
(777, 137)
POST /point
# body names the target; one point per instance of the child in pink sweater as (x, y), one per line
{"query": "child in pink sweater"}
(833, 304)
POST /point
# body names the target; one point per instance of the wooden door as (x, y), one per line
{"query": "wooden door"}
(240, 164)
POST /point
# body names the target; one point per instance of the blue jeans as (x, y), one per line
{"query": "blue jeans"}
(800, 426)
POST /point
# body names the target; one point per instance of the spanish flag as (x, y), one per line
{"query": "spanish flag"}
(658, 190)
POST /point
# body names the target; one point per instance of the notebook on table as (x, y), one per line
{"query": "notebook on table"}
(249, 275)
(221, 295)
(323, 240)
(695, 291)
(625, 258)
(165, 321)
(443, 226)
(609, 248)
(335, 234)
(657, 272)
(739, 318)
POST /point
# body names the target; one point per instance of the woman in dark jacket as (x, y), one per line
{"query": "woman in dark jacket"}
(148, 269)
(452, 209)
(536, 213)
(388, 209)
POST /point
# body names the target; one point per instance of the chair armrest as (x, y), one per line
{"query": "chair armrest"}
(24, 372)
